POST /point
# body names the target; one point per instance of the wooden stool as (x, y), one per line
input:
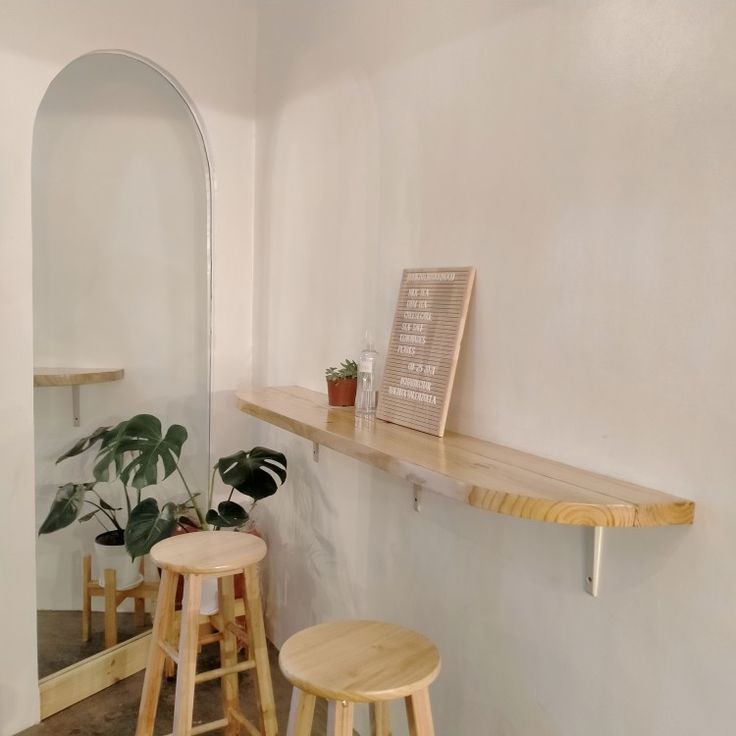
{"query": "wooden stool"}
(195, 556)
(351, 662)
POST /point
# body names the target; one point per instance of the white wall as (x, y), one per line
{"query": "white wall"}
(581, 155)
(120, 279)
(209, 50)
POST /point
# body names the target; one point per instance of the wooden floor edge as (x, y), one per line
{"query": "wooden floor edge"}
(88, 677)
(80, 680)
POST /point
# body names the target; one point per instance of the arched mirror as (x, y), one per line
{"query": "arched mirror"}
(121, 276)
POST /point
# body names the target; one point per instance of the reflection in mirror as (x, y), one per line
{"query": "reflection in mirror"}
(121, 283)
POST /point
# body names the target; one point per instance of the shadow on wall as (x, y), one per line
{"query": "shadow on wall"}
(320, 117)
(308, 573)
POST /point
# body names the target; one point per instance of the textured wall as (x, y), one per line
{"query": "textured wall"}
(580, 155)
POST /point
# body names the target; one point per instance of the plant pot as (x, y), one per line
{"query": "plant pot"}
(110, 553)
(342, 392)
(209, 604)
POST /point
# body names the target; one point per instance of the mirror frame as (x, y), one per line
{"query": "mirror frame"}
(78, 681)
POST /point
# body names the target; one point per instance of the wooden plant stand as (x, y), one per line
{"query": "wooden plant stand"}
(113, 599)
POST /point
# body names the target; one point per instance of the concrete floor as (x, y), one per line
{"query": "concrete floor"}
(113, 712)
(60, 643)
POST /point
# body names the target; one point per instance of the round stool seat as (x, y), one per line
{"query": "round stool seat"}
(208, 553)
(359, 661)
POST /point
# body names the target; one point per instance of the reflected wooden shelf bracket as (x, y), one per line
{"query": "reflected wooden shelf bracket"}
(75, 405)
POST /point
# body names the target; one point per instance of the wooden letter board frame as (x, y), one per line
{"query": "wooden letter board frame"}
(424, 347)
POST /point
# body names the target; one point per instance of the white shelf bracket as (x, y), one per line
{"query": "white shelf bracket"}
(315, 451)
(417, 496)
(75, 405)
(593, 577)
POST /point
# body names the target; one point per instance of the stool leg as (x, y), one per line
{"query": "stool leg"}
(156, 656)
(258, 650)
(140, 612)
(172, 635)
(111, 609)
(419, 713)
(242, 620)
(86, 597)
(380, 718)
(301, 713)
(187, 670)
(140, 604)
(228, 654)
(339, 718)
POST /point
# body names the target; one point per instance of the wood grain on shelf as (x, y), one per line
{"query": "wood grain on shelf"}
(481, 474)
(75, 376)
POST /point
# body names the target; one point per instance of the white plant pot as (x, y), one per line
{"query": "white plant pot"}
(209, 605)
(116, 557)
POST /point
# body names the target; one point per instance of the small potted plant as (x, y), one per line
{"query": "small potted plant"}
(342, 383)
(137, 453)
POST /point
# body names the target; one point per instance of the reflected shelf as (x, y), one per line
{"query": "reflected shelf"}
(74, 377)
(43, 376)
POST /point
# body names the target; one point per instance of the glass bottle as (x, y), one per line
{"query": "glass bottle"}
(365, 396)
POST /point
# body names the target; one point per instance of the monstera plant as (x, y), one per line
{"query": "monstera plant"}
(138, 454)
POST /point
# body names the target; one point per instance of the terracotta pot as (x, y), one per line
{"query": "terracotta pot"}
(342, 392)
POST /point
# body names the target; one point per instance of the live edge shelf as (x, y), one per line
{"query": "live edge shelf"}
(481, 474)
(75, 377)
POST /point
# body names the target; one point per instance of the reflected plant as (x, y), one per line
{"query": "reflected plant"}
(138, 454)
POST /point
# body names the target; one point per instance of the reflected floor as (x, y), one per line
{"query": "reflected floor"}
(60, 637)
(113, 711)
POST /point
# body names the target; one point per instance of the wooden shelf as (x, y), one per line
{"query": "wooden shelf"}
(75, 376)
(481, 474)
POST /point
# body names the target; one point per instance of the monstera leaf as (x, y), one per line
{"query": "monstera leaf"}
(228, 514)
(85, 443)
(65, 507)
(257, 473)
(107, 454)
(148, 524)
(135, 447)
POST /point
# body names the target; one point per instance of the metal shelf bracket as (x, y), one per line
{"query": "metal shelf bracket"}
(417, 497)
(315, 451)
(593, 577)
(75, 405)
